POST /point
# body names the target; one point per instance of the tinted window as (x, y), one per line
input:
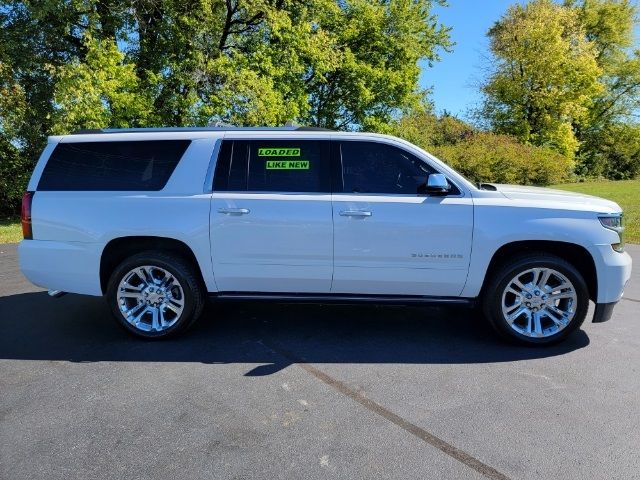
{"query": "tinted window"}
(140, 165)
(221, 174)
(369, 167)
(273, 166)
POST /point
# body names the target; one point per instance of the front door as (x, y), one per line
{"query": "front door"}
(271, 218)
(389, 239)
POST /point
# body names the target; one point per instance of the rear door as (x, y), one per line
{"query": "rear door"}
(389, 238)
(271, 217)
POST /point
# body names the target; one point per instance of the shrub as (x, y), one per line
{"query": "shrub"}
(489, 157)
(613, 153)
(14, 176)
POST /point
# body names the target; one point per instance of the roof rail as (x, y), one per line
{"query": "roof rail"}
(197, 129)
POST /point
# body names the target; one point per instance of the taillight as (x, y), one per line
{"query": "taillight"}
(27, 231)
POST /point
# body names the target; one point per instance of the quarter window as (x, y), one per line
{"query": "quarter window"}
(118, 166)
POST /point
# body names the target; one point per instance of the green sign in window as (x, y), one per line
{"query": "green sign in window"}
(287, 165)
(278, 152)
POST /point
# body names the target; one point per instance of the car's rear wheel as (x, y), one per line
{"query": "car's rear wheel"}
(536, 299)
(155, 294)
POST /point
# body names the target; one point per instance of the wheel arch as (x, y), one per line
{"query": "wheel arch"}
(575, 254)
(120, 248)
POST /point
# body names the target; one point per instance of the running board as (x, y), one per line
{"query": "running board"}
(343, 298)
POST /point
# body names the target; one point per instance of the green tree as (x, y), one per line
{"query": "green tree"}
(336, 64)
(545, 75)
(609, 26)
(612, 152)
(88, 63)
(377, 46)
(99, 92)
(14, 169)
(429, 130)
(608, 146)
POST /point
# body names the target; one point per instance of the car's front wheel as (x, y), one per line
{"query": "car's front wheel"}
(536, 299)
(155, 294)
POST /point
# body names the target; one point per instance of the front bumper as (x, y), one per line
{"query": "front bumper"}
(613, 271)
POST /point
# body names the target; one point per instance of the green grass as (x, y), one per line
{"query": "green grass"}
(10, 230)
(625, 193)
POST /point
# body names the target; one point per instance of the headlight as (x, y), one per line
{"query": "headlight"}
(614, 222)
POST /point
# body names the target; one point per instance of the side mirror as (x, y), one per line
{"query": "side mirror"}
(437, 184)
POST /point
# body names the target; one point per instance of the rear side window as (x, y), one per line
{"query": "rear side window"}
(93, 166)
(273, 166)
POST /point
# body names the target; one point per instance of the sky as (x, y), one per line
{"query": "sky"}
(455, 78)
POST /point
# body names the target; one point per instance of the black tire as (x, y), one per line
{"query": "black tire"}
(194, 292)
(492, 299)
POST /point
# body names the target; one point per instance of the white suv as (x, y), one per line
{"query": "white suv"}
(157, 219)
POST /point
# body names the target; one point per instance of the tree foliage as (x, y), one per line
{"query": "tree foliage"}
(609, 26)
(545, 76)
(567, 76)
(612, 152)
(429, 130)
(609, 140)
(69, 64)
(335, 64)
(484, 156)
(499, 158)
(101, 91)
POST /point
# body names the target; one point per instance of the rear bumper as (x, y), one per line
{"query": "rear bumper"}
(66, 266)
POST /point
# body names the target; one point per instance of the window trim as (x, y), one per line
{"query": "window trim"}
(339, 177)
(207, 187)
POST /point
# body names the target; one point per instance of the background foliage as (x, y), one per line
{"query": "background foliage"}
(484, 156)
(561, 97)
(70, 64)
(567, 76)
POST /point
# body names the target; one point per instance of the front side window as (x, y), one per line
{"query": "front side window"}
(273, 166)
(116, 166)
(370, 167)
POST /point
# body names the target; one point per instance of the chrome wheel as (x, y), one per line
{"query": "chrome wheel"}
(539, 302)
(150, 298)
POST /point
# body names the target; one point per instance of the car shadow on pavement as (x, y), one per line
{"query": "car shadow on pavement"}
(80, 329)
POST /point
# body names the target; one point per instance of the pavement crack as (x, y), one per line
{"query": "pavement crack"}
(631, 299)
(427, 437)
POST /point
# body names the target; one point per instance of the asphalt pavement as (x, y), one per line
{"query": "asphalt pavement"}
(307, 391)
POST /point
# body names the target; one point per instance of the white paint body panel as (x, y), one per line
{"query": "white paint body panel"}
(300, 242)
(284, 243)
(570, 219)
(86, 222)
(402, 248)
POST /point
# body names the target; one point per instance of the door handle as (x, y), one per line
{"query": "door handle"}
(355, 213)
(234, 211)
